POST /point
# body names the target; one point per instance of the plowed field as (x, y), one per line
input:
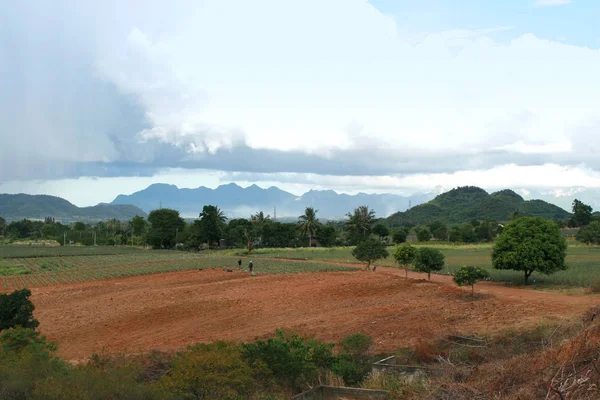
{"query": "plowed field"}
(173, 310)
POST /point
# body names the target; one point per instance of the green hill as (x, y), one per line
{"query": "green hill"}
(18, 206)
(464, 204)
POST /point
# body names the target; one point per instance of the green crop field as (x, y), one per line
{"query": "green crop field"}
(51, 266)
(24, 251)
(583, 262)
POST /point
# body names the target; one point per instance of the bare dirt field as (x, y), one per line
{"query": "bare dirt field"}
(173, 310)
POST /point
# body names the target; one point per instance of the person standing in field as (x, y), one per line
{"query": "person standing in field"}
(240, 263)
(250, 266)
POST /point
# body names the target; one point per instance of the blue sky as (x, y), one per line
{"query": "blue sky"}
(574, 23)
(106, 97)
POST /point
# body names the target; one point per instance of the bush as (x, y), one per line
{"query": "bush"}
(17, 310)
(469, 275)
(353, 364)
(25, 359)
(294, 360)
(210, 371)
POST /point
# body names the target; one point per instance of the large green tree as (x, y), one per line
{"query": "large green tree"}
(370, 250)
(139, 225)
(530, 244)
(164, 226)
(429, 260)
(327, 235)
(212, 224)
(308, 224)
(381, 230)
(359, 223)
(582, 213)
(590, 234)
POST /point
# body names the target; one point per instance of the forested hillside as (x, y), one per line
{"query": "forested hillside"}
(19, 206)
(464, 204)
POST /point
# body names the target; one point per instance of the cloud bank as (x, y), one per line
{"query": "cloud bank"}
(270, 87)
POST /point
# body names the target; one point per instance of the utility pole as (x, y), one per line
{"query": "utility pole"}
(64, 238)
(94, 237)
(275, 213)
(176, 235)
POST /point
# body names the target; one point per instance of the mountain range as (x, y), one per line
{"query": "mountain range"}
(19, 206)
(464, 204)
(236, 201)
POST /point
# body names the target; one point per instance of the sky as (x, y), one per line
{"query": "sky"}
(103, 98)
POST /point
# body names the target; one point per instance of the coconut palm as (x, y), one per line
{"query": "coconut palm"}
(260, 217)
(359, 222)
(309, 224)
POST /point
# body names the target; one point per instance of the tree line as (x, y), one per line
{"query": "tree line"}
(165, 228)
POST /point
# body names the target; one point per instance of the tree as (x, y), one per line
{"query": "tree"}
(381, 230)
(164, 226)
(309, 224)
(211, 224)
(469, 275)
(260, 217)
(2, 225)
(429, 259)
(467, 234)
(400, 236)
(370, 250)
(17, 310)
(423, 234)
(405, 255)
(530, 244)
(582, 213)
(487, 230)
(327, 235)
(79, 226)
(589, 234)
(139, 225)
(359, 223)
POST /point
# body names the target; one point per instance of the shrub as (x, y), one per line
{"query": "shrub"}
(354, 363)
(294, 360)
(210, 371)
(469, 275)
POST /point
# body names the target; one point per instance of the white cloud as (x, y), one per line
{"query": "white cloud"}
(544, 3)
(320, 76)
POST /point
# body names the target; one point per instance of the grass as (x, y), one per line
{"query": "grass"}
(54, 269)
(583, 262)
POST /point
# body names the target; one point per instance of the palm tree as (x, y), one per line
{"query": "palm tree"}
(309, 224)
(260, 217)
(360, 221)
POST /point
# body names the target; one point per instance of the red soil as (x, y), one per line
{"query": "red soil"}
(173, 310)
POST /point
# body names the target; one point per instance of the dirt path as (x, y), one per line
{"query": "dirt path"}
(174, 310)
